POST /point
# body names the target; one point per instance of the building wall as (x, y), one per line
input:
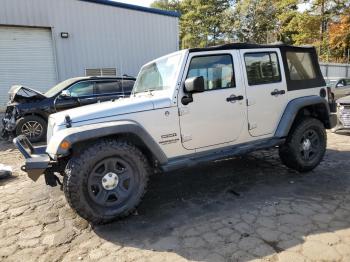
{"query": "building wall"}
(99, 35)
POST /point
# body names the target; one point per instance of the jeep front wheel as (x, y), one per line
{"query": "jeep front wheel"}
(305, 145)
(106, 181)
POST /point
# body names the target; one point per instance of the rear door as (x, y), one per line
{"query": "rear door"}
(108, 90)
(81, 93)
(265, 89)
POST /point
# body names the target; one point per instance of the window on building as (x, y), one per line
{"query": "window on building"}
(217, 71)
(262, 68)
(300, 66)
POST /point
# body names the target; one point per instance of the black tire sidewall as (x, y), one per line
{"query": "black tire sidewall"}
(79, 171)
(291, 150)
(38, 119)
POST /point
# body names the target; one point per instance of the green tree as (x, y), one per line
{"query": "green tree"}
(202, 23)
(255, 21)
(170, 5)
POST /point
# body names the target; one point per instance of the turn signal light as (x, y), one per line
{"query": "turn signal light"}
(65, 145)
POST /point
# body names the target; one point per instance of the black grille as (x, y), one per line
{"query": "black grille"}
(344, 115)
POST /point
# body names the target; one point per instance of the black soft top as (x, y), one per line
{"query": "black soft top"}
(252, 46)
(318, 81)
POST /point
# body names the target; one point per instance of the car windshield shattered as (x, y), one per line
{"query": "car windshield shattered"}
(159, 75)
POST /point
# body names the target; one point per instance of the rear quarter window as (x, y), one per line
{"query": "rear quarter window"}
(300, 66)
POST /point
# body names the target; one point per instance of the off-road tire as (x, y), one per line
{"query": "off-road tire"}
(32, 119)
(291, 151)
(80, 167)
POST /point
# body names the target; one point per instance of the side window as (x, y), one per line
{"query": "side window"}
(82, 89)
(262, 68)
(108, 87)
(300, 66)
(217, 71)
(128, 85)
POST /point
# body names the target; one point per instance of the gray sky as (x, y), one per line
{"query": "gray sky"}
(137, 2)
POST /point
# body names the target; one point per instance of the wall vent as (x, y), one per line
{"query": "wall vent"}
(101, 72)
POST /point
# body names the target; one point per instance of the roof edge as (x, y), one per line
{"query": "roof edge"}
(249, 46)
(134, 7)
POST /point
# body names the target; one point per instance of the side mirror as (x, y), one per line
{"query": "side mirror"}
(65, 93)
(194, 85)
(339, 85)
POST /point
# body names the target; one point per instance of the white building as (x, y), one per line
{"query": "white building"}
(43, 42)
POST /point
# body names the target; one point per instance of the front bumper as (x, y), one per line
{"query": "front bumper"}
(9, 122)
(37, 161)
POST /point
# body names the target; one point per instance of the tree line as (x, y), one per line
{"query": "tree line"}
(324, 24)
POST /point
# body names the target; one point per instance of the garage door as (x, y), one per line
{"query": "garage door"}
(26, 58)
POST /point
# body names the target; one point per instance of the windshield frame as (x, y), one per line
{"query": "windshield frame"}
(178, 67)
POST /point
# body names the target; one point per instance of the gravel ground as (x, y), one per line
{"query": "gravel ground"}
(242, 209)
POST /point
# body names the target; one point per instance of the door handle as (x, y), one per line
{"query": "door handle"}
(234, 98)
(277, 92)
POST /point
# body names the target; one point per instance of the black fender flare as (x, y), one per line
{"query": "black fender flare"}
(292, 110)
(94, 131)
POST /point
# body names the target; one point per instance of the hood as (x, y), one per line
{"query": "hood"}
(344, 100)
(18, 93)
(107, 111)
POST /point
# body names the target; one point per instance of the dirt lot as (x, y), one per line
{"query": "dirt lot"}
(242, 209)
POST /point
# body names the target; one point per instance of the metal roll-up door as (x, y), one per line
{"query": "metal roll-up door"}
(26, 58)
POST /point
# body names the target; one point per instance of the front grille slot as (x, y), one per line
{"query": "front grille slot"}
(344, 115)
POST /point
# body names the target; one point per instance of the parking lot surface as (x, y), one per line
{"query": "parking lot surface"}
(248, 208)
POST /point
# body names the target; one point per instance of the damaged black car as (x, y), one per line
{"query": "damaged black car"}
(28, 110)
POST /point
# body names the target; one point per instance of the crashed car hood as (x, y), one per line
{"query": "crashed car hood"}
(344, 100)
(106, 111)
(18, 93)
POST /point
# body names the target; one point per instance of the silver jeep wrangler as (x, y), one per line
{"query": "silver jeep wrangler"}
(189, 107)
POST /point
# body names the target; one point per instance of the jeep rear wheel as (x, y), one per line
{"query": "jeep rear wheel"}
(305, 145)
(106, 181)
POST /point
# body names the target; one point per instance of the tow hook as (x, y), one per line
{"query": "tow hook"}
(51, 179)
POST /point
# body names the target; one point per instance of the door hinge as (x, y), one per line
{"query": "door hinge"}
(252, 126)
(185, 138)
(183, 111)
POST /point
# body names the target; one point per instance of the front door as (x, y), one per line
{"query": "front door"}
(81, 93)
(266, 89)
(217, 115)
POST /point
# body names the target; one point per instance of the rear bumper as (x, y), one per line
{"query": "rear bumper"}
(37, 161)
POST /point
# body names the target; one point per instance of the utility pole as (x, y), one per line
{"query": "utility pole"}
(348, 55)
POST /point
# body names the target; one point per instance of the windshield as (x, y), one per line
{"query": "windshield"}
(59, 87)
(159, 75)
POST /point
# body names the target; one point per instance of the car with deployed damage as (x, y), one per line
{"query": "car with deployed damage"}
(28, 110)
(187, 108)
(343, 113)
